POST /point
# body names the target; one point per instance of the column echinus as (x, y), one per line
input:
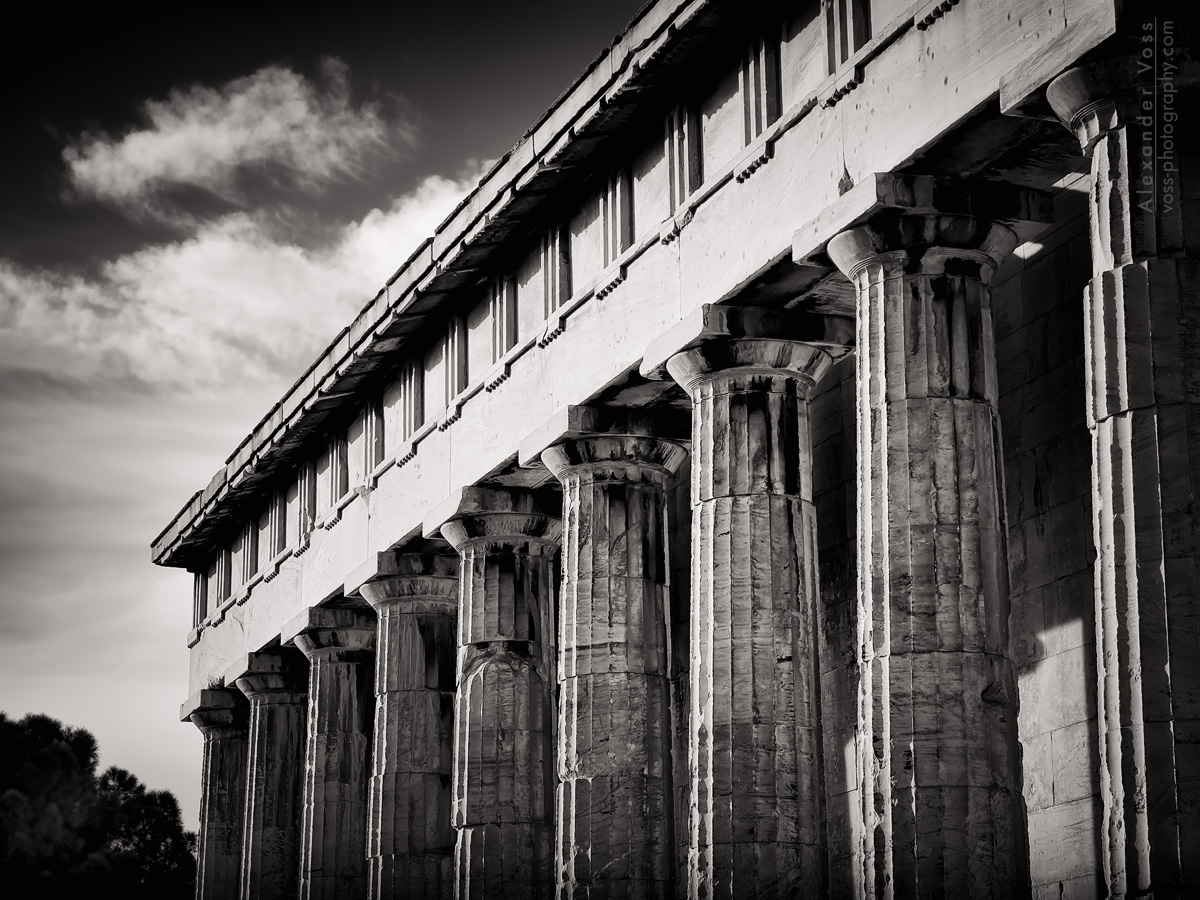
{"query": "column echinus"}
(756, 798)
(338, 644)
(1136, 120)
(503, 789)
(276, 684)
(222, 717)
(937, 756)
(614, 824)
(410, 841)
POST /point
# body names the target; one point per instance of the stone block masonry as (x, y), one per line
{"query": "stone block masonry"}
(938, 760)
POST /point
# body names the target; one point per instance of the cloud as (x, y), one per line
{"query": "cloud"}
(202, 137)
(234, 301)
(209, 330)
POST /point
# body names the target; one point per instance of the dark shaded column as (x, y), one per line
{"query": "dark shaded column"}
(1136, 120)
(938, 764)
(410, 841)
(503, 758)
(614, 823)
(756, 805)
(276, 684)
(338, 644)
(756, 811)
(222, 716)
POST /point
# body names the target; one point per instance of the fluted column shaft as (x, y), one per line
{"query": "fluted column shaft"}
(222, 719)
(1142, 348)
(614, 814)
(504, 751)
(338, 644)
(938, 762)
(277, 689)
(756, 796)
(410, 841)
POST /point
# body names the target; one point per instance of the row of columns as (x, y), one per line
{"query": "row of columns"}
(522, 716)
(511, 761)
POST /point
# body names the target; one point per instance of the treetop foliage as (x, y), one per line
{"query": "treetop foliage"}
(65, 830)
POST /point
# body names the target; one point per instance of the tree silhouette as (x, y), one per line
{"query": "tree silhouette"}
(63, 830)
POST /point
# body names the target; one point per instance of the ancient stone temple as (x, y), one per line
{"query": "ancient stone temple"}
(775, 480)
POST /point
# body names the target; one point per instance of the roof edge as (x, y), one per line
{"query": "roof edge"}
(651, 27)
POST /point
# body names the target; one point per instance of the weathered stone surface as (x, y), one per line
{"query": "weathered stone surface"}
(410, 841)
(275, 682)
(831, 418)
(679, 539)
(222, 717)
(614, 823)
(938, 760)
(338, 644)
(1142, 345)
(504, 711)
(756, 805)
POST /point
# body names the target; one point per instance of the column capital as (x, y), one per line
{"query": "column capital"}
(497, 514)
(617, 457)
(714, 324)
(805, 362)
(333, 634)
(1110, 91)
(216, 711)
(267, 673)
(935, 208)
(614, 443)
(933, 244)
(581, 421)
(416, 581)
(1095, 98)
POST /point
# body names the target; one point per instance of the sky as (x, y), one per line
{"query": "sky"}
(189, 212)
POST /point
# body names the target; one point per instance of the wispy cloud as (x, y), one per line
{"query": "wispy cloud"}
(274, 120)
(234, 301)
(208, 328)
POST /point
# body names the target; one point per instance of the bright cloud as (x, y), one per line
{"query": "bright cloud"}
(234, 301)
(216, 325)
(202, 136)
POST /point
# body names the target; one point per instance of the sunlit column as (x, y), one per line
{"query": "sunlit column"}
(614, 819)
(1142, 347)
(338, 644)
(410, 841)
(504, 752)
(276, 684)
(938, 763)
(756, 801)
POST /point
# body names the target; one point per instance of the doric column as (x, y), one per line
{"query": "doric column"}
(221, 715)
(504, 751)
(938, 762)
(410, 841)
(614, 826)
(276, 684)
(1136, 119)
(756, 805)
(338, 644)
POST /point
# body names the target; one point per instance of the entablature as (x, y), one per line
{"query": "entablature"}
(582, 144)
